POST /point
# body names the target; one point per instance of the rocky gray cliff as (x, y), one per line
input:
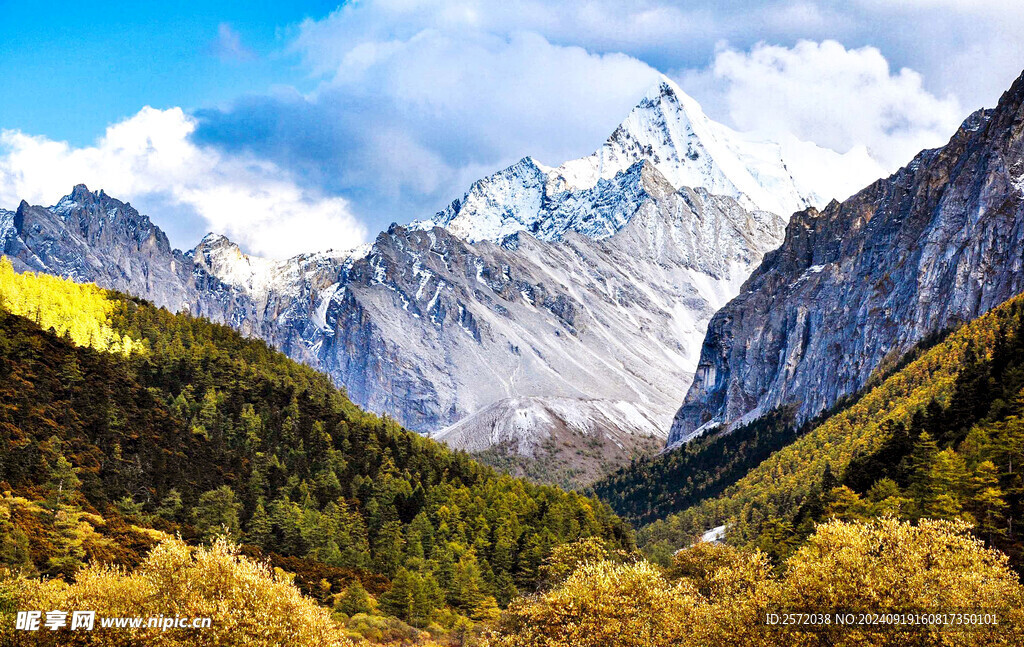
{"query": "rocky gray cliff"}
(92, 237)
(430, 328)
(600, 333)
(939, 242)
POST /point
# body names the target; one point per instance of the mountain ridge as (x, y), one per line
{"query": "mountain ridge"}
(928, 247)
(668, 129)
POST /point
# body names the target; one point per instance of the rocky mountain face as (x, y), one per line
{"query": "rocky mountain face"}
(430, 328)
(939, 242)
(92, 237)
(555, 313)
(570, 442)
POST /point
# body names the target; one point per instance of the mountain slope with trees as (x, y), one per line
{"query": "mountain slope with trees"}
(651, 488)
(934, 245)
(710, 594)
(940, 438)
(188, 427)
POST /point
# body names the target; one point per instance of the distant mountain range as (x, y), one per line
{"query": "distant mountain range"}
(547, 311)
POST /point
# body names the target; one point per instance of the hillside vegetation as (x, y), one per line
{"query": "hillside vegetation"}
(652, 488)
(941, 438)
(82, 313)
(118, 419)
(718, 595)
(247, 603)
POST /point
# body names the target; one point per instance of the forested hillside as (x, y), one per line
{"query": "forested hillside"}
(117, 417)
(721, 596)
(941, 438)
(652, 488)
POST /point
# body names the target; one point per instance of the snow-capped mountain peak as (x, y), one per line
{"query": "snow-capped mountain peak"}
(668, 130)
(225, 259)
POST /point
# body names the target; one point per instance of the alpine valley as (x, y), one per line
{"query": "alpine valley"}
(725, 379)
(549, 320)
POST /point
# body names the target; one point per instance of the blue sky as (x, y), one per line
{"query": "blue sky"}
(296, 126)
(80, 66)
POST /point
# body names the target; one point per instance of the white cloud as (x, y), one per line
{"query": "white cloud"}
(150, 155)
(504, 95)
(837, 97)
(598, 25)
(403, 125)
(971, 48)
(418, 98)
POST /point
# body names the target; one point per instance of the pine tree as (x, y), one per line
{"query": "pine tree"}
(920, 464)
(399, 600)
(505, 589)
(388, 547)
(467, 584)
(259, 529)
(14, 548)
(355, 600)
(67, 554)
(844, 504)
(63, 483)
(987, 501)
(217, 513)
(945, 481)
(170, 505)
(885, 498)
(286, 517)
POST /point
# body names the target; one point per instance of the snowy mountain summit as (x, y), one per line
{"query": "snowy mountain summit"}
(669, 130)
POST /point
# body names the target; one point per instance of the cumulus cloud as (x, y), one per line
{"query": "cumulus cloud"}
(151, 158)
(416, 99)
(837, 97)
(970, 48)
(634, 27)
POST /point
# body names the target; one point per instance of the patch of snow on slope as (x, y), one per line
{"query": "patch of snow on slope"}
(7, 229)
(319, 316)
(526, 422)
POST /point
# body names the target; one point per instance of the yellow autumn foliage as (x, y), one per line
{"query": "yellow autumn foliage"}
(888, 565)
(249, 605)
(80, 311)
(603, 604)
(719, 596)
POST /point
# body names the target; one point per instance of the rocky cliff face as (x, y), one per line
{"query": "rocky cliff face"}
(430, 328)
(570, 442)
(939, 242)
(92, 237)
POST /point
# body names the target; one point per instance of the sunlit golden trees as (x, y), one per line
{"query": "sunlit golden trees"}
(604, 604)
(249, 605)
(719, 595)
(82, 312)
